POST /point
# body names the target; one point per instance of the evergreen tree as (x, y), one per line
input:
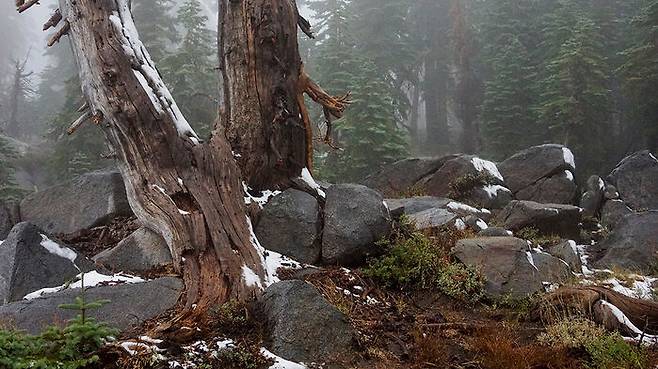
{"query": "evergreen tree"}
(640, 73)
(9, 190)
(575, 97)
(508, 119)
(156, 26)
(369, 136)
(190, 70)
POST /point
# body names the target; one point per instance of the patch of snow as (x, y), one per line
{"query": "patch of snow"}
(653, 157)
(486, 165)
(568, 175)
(492, 190)
(180, 181)
(156, 187)
(183, 212)
(568, 157)
(91, 279)
(641, 288)
(262, 200)
(280, 363)
(481, 224)
(251, 279)
(459, 206)
(528, 255)
(510, 233)
(460, 225)
(61, 251)
(601, 184)
(308, 178)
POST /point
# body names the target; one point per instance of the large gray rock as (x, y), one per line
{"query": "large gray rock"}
(567, 251)
(433, 218)
(636, 180)
(441, 182)
(302, 325)
(130, 305)
(31, 262)
(510, 268)
(90, 200)
(9, 216)
(355, 218)
(633, 244)
(400, 177)
(529, 166)
(549, 219)
(556, 189)
(612, 212)
(141, 251)
(491, 196)
(290, 225)
(414, 205)
(592, 199)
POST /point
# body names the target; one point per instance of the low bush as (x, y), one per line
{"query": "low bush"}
(415, 261)
(605, 350)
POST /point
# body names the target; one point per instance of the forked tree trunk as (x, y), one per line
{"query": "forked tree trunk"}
(188, 191)
(261, 67)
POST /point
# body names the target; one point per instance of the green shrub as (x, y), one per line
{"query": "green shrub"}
(605, 350)
(242, 357)
(462, 187)
(414, 261)
(533, 235)
(72, 347)
(610, 351)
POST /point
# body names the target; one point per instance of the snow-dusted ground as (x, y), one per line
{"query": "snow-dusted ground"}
(90, 279)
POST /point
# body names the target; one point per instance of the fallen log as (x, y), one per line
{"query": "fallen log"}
(613, 310)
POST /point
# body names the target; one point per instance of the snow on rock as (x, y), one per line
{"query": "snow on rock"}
(91, 279)
(308, 178)
(568, 175)
(492, 190)
(481, 224)
(568, 157)
(623, 319)
(640, 289)
(488, 166)
(459, 206)
(61, 251)
(460, 225)
(280, 363)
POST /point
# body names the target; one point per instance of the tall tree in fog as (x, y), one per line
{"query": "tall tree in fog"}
(641, 78)
(156, 24)
(190, 69)
(467, 83)
(430, 21)
(368, 135)
(575, 96)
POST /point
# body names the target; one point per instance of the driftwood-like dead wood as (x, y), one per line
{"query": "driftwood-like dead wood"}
(59, 34)
(586, 301)
(53, 21)
(332, 107)
(22, 5)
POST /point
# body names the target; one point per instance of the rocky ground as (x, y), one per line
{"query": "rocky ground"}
(432, 262)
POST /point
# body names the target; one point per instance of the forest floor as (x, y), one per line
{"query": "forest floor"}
(410, 328)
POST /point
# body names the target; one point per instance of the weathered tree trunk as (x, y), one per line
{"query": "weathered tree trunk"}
(188, 191)
(19, 90)
(261, 67)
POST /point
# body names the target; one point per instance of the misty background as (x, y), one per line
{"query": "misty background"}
(427, 78)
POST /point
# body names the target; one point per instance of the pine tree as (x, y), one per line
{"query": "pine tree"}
(369, 136)
(640, 73)
(508, 119)
(156, 26)
(190, 70)
(575, 99)
(9, 190)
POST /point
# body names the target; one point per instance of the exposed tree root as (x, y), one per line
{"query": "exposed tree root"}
(332, 106)
(593, 302)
